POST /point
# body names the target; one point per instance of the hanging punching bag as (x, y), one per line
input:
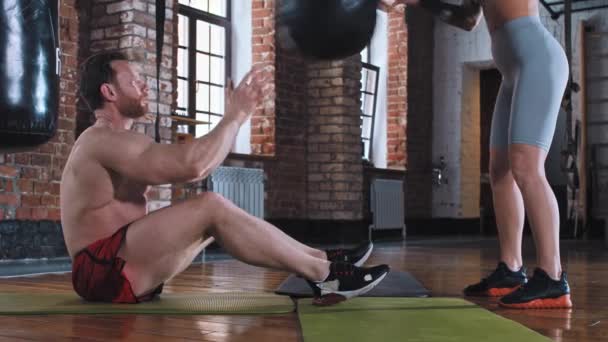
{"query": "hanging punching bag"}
(29, 73)
(326, 29)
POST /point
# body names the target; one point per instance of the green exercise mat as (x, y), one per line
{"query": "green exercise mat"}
(408, 319)
(166, 304)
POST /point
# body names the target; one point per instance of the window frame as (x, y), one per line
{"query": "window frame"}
(363, 92)
(194, 15)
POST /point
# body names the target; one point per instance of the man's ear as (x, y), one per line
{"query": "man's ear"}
(108, 92)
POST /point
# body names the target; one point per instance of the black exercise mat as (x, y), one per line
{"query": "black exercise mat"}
(396, 284)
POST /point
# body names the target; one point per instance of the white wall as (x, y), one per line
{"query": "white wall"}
(379, 57)
(454, 49)
(241, 62)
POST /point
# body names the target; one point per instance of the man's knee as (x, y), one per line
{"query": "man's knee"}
(209, 198)
(212, 205)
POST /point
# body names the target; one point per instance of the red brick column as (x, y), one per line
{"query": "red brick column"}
(264, 53)
(335, 167)
(397, 89)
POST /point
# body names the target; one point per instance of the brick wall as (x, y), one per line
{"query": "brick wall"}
(420, 113)
(287, 173)
(264, 53)
(29, 182)
(397, 89)
(335, 168)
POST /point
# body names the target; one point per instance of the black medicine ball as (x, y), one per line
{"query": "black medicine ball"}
(327, 29)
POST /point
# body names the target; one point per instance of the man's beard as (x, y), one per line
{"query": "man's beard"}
(132, 108)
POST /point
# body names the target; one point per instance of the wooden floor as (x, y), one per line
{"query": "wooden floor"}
(444, 266)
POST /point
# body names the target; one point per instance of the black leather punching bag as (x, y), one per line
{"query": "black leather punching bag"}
(29, 73)
(327, 29)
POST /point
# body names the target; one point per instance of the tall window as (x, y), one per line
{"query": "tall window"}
(369, 95)
(203, 62)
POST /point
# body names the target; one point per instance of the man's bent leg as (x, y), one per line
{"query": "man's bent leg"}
(163, 243)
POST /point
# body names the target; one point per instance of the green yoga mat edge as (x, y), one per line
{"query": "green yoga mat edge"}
(394, 319)
(230, 303)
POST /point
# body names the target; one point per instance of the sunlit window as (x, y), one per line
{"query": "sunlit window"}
(203, 61)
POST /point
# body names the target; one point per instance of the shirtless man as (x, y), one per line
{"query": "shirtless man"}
(535, 73)
(123, 254)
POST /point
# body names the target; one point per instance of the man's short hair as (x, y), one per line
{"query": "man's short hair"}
(94, 72)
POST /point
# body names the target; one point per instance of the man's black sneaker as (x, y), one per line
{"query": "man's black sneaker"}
(356, 256)
(499, 283)
(541, 292)
(346, 281)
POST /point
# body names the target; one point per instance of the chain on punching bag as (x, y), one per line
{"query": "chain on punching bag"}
(326, 29)
(160, 38)
(29, 73)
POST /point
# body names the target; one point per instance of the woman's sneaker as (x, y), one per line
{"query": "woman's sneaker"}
(541, 292)
(356, 256)
(499, 283)
(346, 281)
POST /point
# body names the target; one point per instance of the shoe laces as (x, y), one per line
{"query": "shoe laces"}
(344, 269)
(537, 280)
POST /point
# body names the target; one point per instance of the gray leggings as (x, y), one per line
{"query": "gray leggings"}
(534, 68)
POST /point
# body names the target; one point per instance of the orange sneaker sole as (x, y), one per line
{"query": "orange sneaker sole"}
(562, 302)
(495, 292)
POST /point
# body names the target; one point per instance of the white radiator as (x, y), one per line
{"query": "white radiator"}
(244, 187)
(387, 205)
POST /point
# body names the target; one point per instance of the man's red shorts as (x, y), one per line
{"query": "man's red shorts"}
(97, 273)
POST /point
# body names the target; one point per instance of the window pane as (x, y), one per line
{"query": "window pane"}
(202, 36)
(202, 5)
(217, 7)
(182, 62)
(368, 84)
(218, 39)
(182, 30)
(182, 93)
(217, 100)
(370, 81)
(368, 105)
(202, 67)
(202, 117)
(202, 129)
(215, 119)
(366, 149)
(364, 53)
(202, 97)
(181, 128)
(366, 127)
(217, 70)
